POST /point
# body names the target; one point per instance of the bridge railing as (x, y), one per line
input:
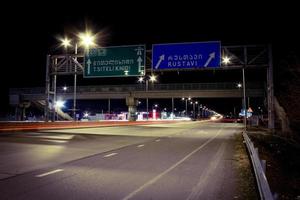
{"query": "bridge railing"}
(139, 87)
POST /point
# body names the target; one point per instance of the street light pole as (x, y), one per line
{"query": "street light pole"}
(244, 88)
(172, 107)
(87, 40)
(244, 103)
(75, 84)
(194, 110)
(186, 111)
(147, 103)
(54, 93)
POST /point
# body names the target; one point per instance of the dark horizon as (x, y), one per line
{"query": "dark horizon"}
(32, 33)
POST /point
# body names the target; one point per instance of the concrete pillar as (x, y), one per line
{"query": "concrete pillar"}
(131, 113)
(132, 103)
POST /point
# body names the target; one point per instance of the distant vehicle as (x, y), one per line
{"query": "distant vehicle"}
(216, 117)
(231, 119)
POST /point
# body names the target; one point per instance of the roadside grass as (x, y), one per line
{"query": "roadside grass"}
(283, 163)
(246, 181)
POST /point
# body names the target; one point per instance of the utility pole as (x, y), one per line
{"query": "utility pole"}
(244, 88)
(270, 90)
(147, 102)
(75, 84)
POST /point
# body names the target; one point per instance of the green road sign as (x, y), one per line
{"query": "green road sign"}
(119, 61)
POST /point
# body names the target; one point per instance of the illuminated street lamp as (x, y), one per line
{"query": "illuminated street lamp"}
(86, 114)
(194, 109)
(65, 88)
(239, 85)
(86, 40)
(226, 60)
(186, 107)
(152, 78)
(141, 79)
(58, 105)
(65, 42)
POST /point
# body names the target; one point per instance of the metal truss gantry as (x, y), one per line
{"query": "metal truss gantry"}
(242, 57)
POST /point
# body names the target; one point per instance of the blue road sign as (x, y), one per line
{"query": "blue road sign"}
(186, 55)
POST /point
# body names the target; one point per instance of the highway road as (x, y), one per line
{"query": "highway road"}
(184, 160)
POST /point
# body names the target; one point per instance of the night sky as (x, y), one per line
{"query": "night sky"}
(29, 30)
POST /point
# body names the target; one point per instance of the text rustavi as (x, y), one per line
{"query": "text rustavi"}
(184, 60)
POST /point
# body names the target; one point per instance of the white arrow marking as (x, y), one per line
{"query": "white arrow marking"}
(161, 58)
(89, 65)
(140, 60)
(211, 56)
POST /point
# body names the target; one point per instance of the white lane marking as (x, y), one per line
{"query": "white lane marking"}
(156, 178)
(58, 137)
(157, 140)
(207, 173)
(109, 155)
(48, 173)
(55, 141)
(141, 145)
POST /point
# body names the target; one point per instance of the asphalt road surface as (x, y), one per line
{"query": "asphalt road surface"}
(184, 160)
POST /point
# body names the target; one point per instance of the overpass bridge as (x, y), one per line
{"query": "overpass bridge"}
(193, 90)
(37, 96)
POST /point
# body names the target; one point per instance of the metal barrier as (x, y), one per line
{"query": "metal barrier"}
(259, 170)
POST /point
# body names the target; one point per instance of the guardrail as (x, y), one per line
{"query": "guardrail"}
(259, 170)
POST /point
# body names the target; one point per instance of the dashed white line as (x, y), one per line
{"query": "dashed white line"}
(157, 140)
(141, 145)
(156, 178)
(109, 155)
(48, 173)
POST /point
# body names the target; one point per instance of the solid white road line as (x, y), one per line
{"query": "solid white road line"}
(208, 172)
(58, 137)
(109, 155)
(156, 178)
(141, 145)
(48, 173)
(54, 141)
